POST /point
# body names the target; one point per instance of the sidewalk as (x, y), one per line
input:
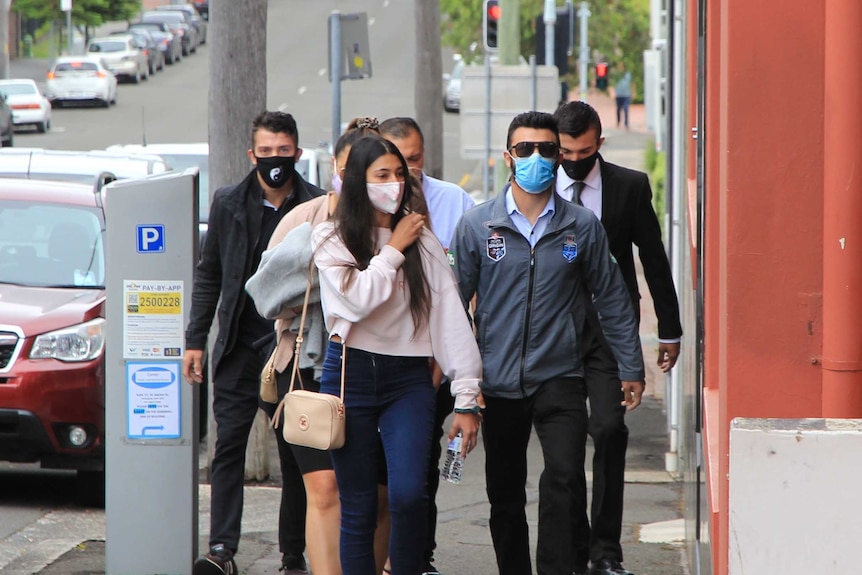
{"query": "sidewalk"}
(653, 529)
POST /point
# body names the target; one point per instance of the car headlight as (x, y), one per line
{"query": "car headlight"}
(82, 342)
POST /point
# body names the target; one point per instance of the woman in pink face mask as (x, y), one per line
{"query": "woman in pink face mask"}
(323, 517)
(390, 305)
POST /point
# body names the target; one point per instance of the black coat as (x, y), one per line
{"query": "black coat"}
(630, 220)
(226, 260)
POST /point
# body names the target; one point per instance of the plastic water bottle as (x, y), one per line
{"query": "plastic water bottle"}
(451, 471)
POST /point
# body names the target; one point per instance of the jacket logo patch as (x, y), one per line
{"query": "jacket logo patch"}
(570, 248)
(496, 247)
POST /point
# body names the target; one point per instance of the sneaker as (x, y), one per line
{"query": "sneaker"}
(219, 561)
(293, 565)
(429, 569)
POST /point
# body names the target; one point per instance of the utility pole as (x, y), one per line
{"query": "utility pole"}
(509, 32)
(237, 93)
(550, 19)
(584, 55)
(428, 83)
(4, 38)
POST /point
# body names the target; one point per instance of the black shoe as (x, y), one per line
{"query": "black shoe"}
(608, 567)
(293, 565)
(219, 561)
(429, 569)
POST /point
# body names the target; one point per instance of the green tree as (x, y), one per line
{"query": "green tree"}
(618, 31)
(87, 13)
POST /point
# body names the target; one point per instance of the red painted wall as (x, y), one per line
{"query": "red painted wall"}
(764, 250)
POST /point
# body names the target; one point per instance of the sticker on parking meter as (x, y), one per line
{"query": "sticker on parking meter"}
(153, 400)
(152, 319)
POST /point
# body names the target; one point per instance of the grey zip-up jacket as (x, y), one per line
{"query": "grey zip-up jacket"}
(530, 307)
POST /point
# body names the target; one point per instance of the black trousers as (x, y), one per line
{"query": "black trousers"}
(445, 405)
(236, 387)
(559, 414)
(610, 435)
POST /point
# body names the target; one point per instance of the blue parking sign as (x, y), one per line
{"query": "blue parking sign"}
(151, 239)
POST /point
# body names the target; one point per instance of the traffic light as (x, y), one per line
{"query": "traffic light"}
(602, 75)
(489, 24)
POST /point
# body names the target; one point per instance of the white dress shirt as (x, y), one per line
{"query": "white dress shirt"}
(591, 197)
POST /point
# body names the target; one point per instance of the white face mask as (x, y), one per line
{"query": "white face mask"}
(386, 197)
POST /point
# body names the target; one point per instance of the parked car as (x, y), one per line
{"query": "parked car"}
(177, 23)
(452, 97)
(192, 18)
(7, 124)
(147, 42)
(81, 79)
(29, 106)
(203, 8)
(170, 42)
(52, 337)
(122, 55)
(76, 166)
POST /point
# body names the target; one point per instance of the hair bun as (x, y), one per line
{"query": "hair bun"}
(367, 123)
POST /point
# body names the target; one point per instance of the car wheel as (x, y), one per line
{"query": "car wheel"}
(90, 488)
(114, 99)
(42, 127)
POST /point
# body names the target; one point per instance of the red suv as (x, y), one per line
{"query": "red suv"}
(52, 340)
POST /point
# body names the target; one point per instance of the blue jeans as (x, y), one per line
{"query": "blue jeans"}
(396, 396)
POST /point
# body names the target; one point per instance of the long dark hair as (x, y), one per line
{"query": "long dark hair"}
(355, 219)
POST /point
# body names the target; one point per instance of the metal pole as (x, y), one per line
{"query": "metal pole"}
(335, 60)
(584, 56)
(69, 32)
(485, 169)
(534, 81)
(550, 23)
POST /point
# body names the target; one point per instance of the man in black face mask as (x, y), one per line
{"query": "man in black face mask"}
(622, 200)
(242, 219)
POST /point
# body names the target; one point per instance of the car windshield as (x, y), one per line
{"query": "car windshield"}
(76, 67)
(112, 46)
(17, 89)
(180, 162)
(51, 245)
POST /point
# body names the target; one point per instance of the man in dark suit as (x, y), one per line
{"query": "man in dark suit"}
(622, 199)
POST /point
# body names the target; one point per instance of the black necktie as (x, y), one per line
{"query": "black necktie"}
(578, 189)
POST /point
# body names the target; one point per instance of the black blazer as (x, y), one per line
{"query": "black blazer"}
(630, 220)
(226, 260)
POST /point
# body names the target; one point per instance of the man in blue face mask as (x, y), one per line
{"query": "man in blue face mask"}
(534, 262)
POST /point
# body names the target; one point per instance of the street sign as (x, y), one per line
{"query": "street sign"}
(355, 48)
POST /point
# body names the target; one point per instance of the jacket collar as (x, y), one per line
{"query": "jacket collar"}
(564, 214)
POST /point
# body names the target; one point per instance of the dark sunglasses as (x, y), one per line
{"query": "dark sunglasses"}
(546, 149)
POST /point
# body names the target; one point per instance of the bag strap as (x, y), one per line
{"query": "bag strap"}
(300, 337)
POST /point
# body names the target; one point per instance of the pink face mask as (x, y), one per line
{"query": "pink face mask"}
(386, 197)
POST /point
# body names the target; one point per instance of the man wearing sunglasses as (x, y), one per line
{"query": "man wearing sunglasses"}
(622, 200)
(534, 261)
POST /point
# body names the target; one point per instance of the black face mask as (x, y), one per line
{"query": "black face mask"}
(275, 171)
(580, 169)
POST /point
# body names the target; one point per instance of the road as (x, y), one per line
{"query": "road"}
(172, 105)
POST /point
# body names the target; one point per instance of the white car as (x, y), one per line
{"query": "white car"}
(29, 106)
(81, 79)
(122, 55)
(76, 166)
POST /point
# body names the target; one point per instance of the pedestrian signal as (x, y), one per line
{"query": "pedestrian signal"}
(602, 75)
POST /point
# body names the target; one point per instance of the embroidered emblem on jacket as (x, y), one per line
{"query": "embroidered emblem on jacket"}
(496, 247)
(570, 248)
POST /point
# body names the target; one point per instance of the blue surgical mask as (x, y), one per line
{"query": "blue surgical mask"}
(534, 174)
